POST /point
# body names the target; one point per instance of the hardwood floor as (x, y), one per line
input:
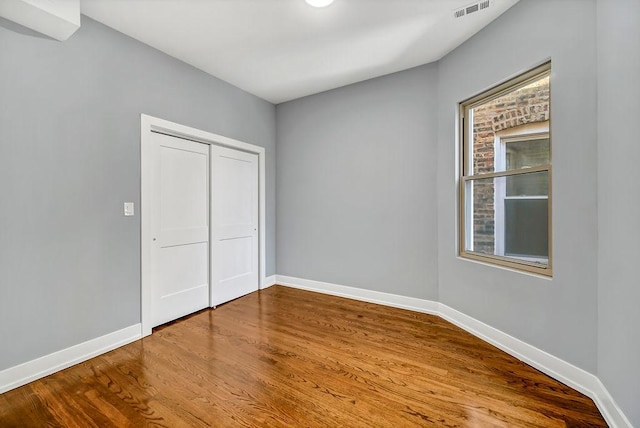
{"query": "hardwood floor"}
(285, 357)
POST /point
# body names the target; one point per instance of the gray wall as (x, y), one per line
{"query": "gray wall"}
(366, 182)
(70, 156)
(358, 198)
(558, 315)
(356, 185)
(357, 191)
(619, 202)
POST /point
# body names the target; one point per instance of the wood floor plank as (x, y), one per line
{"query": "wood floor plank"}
(290, 358)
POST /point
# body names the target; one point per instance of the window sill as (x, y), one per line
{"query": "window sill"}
(502, 263)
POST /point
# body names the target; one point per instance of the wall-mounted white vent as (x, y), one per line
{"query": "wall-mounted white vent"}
(55, 18)
(472, 8)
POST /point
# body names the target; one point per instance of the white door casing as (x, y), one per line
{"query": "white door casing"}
(180, 228)
(150, 126)
(234, 224)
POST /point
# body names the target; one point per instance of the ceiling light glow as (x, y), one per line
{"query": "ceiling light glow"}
(319, 3)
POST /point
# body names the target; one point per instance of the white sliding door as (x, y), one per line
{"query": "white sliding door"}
(234, 224)
(202, 220)
(179, 227)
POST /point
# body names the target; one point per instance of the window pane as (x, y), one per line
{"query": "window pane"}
(534, 184)
(523, 106)
(526, 232)
(481, 215)
(508, 216)
(527, 153)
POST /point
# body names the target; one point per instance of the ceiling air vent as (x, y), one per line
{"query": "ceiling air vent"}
(472, 8)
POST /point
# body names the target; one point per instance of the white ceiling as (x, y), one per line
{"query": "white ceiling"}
(280, 50)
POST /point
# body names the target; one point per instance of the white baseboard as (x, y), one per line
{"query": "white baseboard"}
(19, 375)
(567, 373)
(387, 299)
(614, 416)
(556, 368)
(564, 372)
(268, 282)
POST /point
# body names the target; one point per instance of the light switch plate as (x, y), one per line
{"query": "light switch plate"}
(128, 209)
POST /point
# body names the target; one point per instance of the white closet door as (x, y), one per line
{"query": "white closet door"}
(234, 224)
(180, 228)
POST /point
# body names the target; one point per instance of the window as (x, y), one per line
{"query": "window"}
(505, 183)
